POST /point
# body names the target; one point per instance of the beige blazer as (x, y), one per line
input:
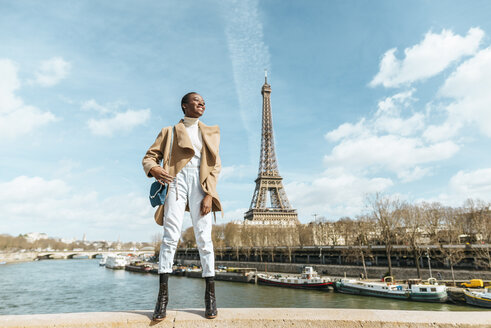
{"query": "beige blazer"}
(182, 152)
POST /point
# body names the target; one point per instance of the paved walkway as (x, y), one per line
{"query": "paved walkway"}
(263, 317)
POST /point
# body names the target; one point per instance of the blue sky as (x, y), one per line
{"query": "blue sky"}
(368, 96)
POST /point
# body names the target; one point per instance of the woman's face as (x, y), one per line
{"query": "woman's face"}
(195, 106)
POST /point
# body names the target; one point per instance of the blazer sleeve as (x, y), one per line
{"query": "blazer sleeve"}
(155, 153)
(213, 177)
(216, 169)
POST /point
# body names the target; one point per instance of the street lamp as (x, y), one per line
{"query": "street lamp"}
(429, 260)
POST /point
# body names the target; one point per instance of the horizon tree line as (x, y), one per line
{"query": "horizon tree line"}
(424, 228)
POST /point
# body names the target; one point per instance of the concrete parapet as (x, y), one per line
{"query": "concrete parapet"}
(263, 317)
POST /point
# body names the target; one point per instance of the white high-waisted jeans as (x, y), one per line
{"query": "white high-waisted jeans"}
(186, 188)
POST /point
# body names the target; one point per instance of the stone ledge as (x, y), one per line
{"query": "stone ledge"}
(263, 317)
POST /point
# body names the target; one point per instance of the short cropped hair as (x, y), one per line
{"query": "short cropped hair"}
(185, 99)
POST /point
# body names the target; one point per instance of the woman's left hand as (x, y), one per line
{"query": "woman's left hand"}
(206, 205)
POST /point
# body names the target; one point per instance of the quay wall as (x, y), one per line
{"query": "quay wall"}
(257, 318)
(351, 270)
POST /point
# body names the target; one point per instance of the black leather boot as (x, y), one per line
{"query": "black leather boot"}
(160, 308)
(210, 300)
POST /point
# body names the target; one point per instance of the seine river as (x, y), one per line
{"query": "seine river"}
(56, 286)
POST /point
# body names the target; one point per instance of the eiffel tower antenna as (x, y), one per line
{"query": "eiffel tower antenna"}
(269, 182)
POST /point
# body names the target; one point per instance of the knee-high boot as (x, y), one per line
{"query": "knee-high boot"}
(160, 308)
(210, 300)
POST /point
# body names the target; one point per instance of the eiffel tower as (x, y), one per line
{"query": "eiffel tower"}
(268, 181)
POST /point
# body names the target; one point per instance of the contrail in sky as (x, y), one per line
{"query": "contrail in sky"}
(249, 56)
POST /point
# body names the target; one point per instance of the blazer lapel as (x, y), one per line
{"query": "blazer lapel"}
(183, 140)
(208, 133)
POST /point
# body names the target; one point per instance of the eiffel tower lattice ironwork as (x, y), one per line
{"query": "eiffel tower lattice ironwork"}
(269, 182)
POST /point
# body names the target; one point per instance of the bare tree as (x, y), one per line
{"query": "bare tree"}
(187, 239)
(156, 241)
(413, 222)
(359, 240)
(343, 232)
(232, 234)
(305, 234)
(479, 227)
(385, 211)
(451, 250)
(218, 237)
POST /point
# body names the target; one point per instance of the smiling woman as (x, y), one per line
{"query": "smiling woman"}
(191, 165)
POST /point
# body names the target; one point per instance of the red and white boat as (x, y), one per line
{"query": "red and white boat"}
(309, 279)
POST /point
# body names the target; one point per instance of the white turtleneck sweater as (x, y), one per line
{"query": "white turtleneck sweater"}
(194, 134)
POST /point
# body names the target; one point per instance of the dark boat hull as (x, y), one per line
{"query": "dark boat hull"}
(477, 301)
(137, 268)
(358, 291)
(315, 286)
(420, 297)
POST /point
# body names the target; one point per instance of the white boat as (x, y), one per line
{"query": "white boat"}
(309, 279)
(480, 298)
(103, 260)
(116, 262)
(428, 292)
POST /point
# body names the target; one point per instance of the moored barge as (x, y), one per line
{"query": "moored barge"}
(429, 292)
(309, 279)
(478, 297)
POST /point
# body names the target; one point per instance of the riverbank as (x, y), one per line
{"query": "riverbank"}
(333, 270)
(18, 257)
(261, 317)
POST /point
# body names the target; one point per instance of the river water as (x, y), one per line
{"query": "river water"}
(57, 286)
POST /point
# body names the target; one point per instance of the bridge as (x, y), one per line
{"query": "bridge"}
(46, 255)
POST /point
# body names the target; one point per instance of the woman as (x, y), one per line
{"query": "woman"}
(191, 169)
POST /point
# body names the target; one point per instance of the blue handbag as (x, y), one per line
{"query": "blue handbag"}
(158, 191)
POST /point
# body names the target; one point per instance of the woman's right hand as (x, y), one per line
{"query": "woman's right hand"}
(161, 175)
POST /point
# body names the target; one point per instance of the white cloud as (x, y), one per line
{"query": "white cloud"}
(388, 152)
(393, 105)
(124, 121)
(390, 140)
(472, 184)
(37, 188)
(389, 116)
(17, 118)
(93, 105)
(51, 71)
(444, 131)
(335, 194)
(234, 172)
(237, 214)
(469, 87)
(111, 107)
(428, 58)
(400, 126)
(53, 206)
(346, 130)
(467, 184)
(65, 167)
